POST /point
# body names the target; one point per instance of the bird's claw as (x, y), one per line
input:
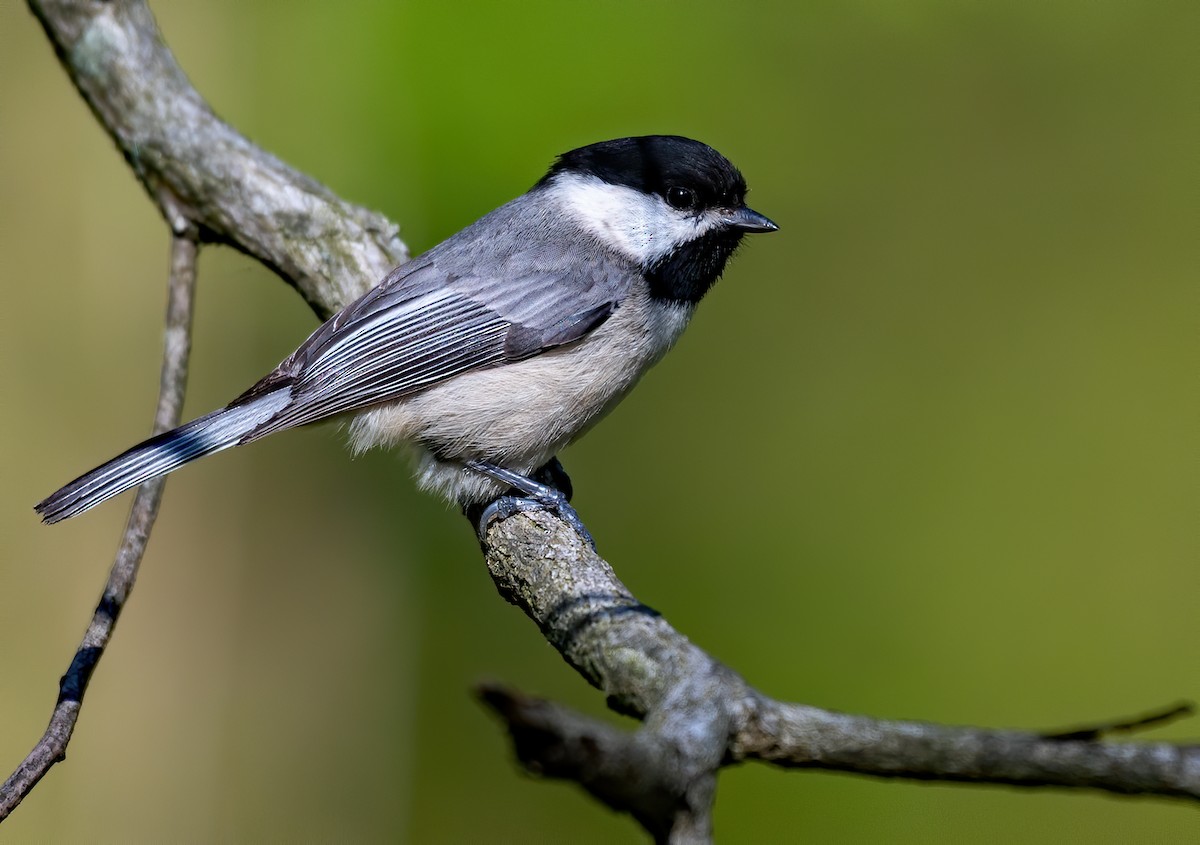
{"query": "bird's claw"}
(528, 495)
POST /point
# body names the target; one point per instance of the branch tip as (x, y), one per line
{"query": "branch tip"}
(1153, 719)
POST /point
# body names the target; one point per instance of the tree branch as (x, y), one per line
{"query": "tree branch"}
(192, 162)
(177, 347)
(212, 184)
(209, 183)
(700, 715)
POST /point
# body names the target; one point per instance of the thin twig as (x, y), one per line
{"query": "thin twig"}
(1128, 725)
(198, 171)
(177, 344)
(698, 715)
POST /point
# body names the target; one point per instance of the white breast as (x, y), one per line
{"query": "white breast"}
(520, 415)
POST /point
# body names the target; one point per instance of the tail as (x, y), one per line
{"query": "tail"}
(160, 455)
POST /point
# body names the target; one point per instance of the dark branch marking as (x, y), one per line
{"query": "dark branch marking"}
(74, 683)
(52, 746)
(197, 171)
(698, 715)
(575, 614)
(108, 607)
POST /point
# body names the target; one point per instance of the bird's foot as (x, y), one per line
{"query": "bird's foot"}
(549, 489)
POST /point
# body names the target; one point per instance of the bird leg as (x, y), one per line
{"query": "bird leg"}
(548, 489)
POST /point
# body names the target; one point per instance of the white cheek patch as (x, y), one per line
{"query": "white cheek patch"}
(640, 225)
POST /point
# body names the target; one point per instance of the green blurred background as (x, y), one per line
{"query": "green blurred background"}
(929, 452)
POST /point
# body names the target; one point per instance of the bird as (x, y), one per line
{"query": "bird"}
(492, 351)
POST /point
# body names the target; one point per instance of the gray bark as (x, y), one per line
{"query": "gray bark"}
(212, 185)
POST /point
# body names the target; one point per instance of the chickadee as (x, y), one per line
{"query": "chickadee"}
(502, 344)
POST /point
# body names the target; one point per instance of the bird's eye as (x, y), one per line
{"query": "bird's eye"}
(681, 198)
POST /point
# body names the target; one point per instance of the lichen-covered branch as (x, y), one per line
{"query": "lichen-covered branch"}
(699, 715)
(233, 191)
(211, 184)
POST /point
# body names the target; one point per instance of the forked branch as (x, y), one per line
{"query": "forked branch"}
(211, 184)
(698, 715)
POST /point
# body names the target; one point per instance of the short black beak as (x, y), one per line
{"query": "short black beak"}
(749, 220)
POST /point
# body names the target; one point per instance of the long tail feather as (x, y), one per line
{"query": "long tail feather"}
(160, 455)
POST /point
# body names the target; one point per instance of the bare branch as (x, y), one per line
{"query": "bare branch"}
(209, 183)
(232, 190)
(794, 735)
(708, 716)
(177, 346)
(1163, 716)
(212, 184)
(622, 769)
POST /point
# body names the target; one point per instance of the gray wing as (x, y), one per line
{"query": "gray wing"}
(437, 317)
